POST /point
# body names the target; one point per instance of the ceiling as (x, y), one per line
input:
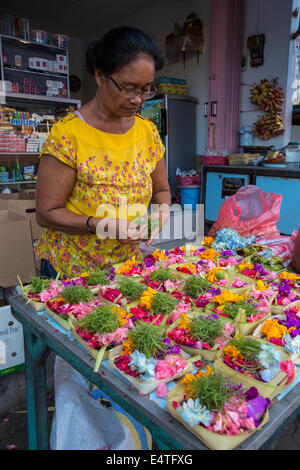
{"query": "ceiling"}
(76, 18)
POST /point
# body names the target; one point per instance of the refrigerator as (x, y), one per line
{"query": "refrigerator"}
(175, 118)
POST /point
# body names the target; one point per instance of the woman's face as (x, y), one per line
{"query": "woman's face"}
(137, 75)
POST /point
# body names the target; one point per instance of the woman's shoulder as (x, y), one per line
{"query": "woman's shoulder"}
(66, 121)
(146, 124)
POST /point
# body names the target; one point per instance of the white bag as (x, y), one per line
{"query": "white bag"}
(81, 422)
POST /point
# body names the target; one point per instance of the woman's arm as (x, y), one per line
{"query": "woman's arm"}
(55, 183)
(161, 197)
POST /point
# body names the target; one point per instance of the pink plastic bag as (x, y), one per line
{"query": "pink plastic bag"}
(250, 211)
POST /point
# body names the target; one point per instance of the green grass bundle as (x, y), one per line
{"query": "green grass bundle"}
(206, 329)
(232, 310)
(161, 275)
(196, 286)
(98, 277)
(76, 294)
(147, 338)
(101, 320)
(130, 289)
(37, 285)
(163, 303)
(249, 348)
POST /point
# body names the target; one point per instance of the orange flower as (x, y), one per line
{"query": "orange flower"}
(212, 275)
(289, 276)
(208, 241)
(228, 296)
(127, 266)
(245, 265)
(272, 329)
(159, 255)
(189, 379)
(185, 321)
(209, 254)
(147, 298)
(231, 351)
(128, 347)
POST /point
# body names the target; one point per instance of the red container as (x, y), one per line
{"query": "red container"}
(214, 160)
(188, 180)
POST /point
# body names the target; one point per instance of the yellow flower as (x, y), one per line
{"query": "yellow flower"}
(228, 296)
(84, 275)
(185, 321)
(260, 285)
(191, 267)
(245, 265)
(121, 314)
(272, 329)
(209, 254)
(289, 276)
(189, 379)
(127, 266)
(159, 255)
(208, 241)
(212, 274)
(231, 351)
(147, 298)
(128, 347)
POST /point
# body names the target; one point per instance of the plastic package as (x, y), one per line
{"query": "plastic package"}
(39, 36)
(81, 422)
(61, 40)
(250, 211)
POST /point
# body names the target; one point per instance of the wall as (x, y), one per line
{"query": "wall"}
(158, 21)
(274, 19)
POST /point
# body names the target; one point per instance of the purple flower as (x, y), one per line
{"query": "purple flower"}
(215, 291)
(226, 253)
(251, 393)
(284, 288)
(257, 408)
(166, 341)
(149, 261)
(260, 269)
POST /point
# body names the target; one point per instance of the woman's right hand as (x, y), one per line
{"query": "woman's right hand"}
(125, 231)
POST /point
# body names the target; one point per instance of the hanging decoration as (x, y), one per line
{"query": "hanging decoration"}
(268, 126)
(269, 98)
(185, 41)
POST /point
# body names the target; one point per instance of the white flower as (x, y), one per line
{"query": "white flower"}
(194, 413)
(292, 344)
(269, 356)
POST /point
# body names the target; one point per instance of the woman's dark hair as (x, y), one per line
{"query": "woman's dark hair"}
(118, 47)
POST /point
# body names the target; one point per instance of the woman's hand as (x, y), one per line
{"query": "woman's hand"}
(157, 221)
(125, 231)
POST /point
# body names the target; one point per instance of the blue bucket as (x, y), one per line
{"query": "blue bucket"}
(190, 194)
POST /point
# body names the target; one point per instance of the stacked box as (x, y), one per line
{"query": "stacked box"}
(171, 85)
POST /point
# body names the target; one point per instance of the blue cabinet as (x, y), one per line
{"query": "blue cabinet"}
(218, 187)
(290, 205)
(220, 182)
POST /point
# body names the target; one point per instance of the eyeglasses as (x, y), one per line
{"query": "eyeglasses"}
(130, 93)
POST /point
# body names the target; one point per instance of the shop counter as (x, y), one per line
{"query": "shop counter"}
(222, 181)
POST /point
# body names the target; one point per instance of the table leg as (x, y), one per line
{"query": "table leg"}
(36, 353)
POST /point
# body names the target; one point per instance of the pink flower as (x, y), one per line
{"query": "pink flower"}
(289, 368)
(162, 390)
(169, 366)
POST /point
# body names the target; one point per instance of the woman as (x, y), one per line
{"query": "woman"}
(103, 154)
(100, 155)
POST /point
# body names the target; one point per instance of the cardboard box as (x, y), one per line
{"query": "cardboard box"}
(12, 356)
(16, 250)
(24, 204)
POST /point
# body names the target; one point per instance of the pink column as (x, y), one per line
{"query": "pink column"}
(225, 73)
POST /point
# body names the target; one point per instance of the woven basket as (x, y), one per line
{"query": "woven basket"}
(212, 440)
(257, 334)
(93, 352)
(242, 158)
(280, 309)
(36, 304)
(146, 387)
(58, 318)
(206, 354)
(268, 390)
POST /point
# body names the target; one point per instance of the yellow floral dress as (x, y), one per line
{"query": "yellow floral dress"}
(109, 168)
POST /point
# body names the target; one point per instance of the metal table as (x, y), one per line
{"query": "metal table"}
(40, 338)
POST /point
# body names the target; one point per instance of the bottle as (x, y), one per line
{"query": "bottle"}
(19, 176)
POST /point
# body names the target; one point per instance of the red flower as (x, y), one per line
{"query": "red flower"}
(175, 404)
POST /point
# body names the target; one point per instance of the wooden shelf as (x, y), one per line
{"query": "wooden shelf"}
(8, 183)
